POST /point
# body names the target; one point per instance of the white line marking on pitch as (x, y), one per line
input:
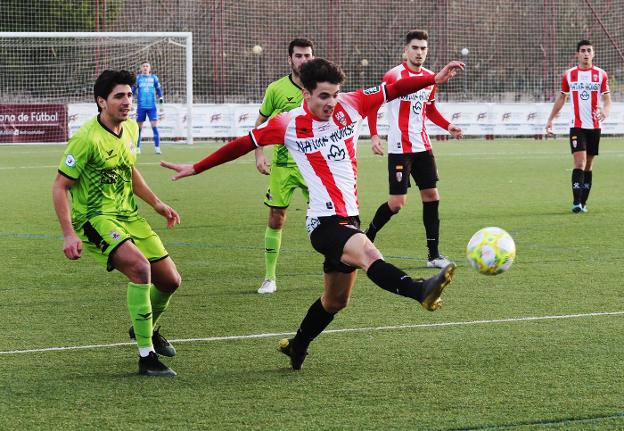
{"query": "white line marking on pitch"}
(331, 331)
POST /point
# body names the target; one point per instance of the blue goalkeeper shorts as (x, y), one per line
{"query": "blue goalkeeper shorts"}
(152, 114)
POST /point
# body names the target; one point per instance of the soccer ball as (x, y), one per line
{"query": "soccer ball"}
(491, 251)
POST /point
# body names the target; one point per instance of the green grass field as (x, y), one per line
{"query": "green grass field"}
(539, 347)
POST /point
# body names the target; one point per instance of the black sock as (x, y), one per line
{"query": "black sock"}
(587, 184)
(392, 279)
(382, 216)
(577, 185)
(315, 321)
(432, 227)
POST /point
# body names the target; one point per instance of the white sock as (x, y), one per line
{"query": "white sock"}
(145, 351)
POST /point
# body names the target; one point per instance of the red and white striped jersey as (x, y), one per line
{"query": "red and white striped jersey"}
(585, 86)
(325, 151)
(406, 115)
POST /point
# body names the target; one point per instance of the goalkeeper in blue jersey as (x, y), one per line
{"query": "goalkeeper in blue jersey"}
(146, 89)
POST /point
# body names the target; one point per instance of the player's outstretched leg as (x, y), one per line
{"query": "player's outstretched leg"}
(434, 286)
(427, 292)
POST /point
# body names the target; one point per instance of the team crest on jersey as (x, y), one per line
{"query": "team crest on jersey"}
(372, 90)
(115, 235)
(340, 118)
(70, 161)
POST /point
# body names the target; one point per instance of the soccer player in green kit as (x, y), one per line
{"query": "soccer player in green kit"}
(281, 96)
(98, 170)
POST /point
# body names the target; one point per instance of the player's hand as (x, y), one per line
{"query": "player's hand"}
(600, 114)
(183, 170)
(455, 131)
(72, 246)
(376, 145)
(261, 163)
(549, 131)
(448, 72)
(161, 100)
(173, 218)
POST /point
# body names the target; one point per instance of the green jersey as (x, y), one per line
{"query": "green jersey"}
(281, 96)
(101, 164)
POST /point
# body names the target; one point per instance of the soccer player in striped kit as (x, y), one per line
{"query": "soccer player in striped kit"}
(409, 147)
(322, 137)
(586, 84)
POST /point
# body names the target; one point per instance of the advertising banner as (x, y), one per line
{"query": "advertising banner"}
(21, 123)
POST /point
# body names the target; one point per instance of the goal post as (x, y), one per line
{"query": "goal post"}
(61, 68)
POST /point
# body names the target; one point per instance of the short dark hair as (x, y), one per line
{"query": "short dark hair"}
(582, 43)
(416, 34)
(320, 70)
(107, 80)
(301, 42)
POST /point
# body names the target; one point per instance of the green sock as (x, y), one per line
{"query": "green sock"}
(272, 243)
(160, 302)
(141, 313)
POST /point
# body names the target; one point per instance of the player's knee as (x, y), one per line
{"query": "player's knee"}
(171, 283)
(139, 271)
(334, 305)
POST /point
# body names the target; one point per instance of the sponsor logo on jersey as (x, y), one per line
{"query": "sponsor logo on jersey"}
(343, 133)
(417, 108)
(589, 86)
(70, 161)
(584, 95)
(313, 144)
(372, 90)
(336, 153)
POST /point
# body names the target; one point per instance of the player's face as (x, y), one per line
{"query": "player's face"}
(118, 103)
(585, 56)
(322, 100)
(145, 68)
(299, 56)
(416, 53)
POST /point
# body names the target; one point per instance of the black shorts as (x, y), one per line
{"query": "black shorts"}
(329, 236)
(421, 166)
(584, 140)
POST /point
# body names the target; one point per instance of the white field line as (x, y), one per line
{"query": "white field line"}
(332, 331)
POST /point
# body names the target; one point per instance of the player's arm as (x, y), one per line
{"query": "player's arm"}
(559, 102)
(376, 144)
(230, 151)
(370, 100)
(142, 190)
(261, 162)
(72, 245)
(158, 90)
(605, 109)
(438, 119)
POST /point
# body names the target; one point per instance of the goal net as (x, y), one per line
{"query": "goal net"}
(61, 68)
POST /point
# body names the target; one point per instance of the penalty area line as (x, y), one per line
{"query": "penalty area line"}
(331, 331)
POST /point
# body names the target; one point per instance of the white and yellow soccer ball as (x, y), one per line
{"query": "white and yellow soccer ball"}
(491, 251)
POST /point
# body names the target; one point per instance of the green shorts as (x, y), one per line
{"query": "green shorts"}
(102, 235)
(282, 185)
